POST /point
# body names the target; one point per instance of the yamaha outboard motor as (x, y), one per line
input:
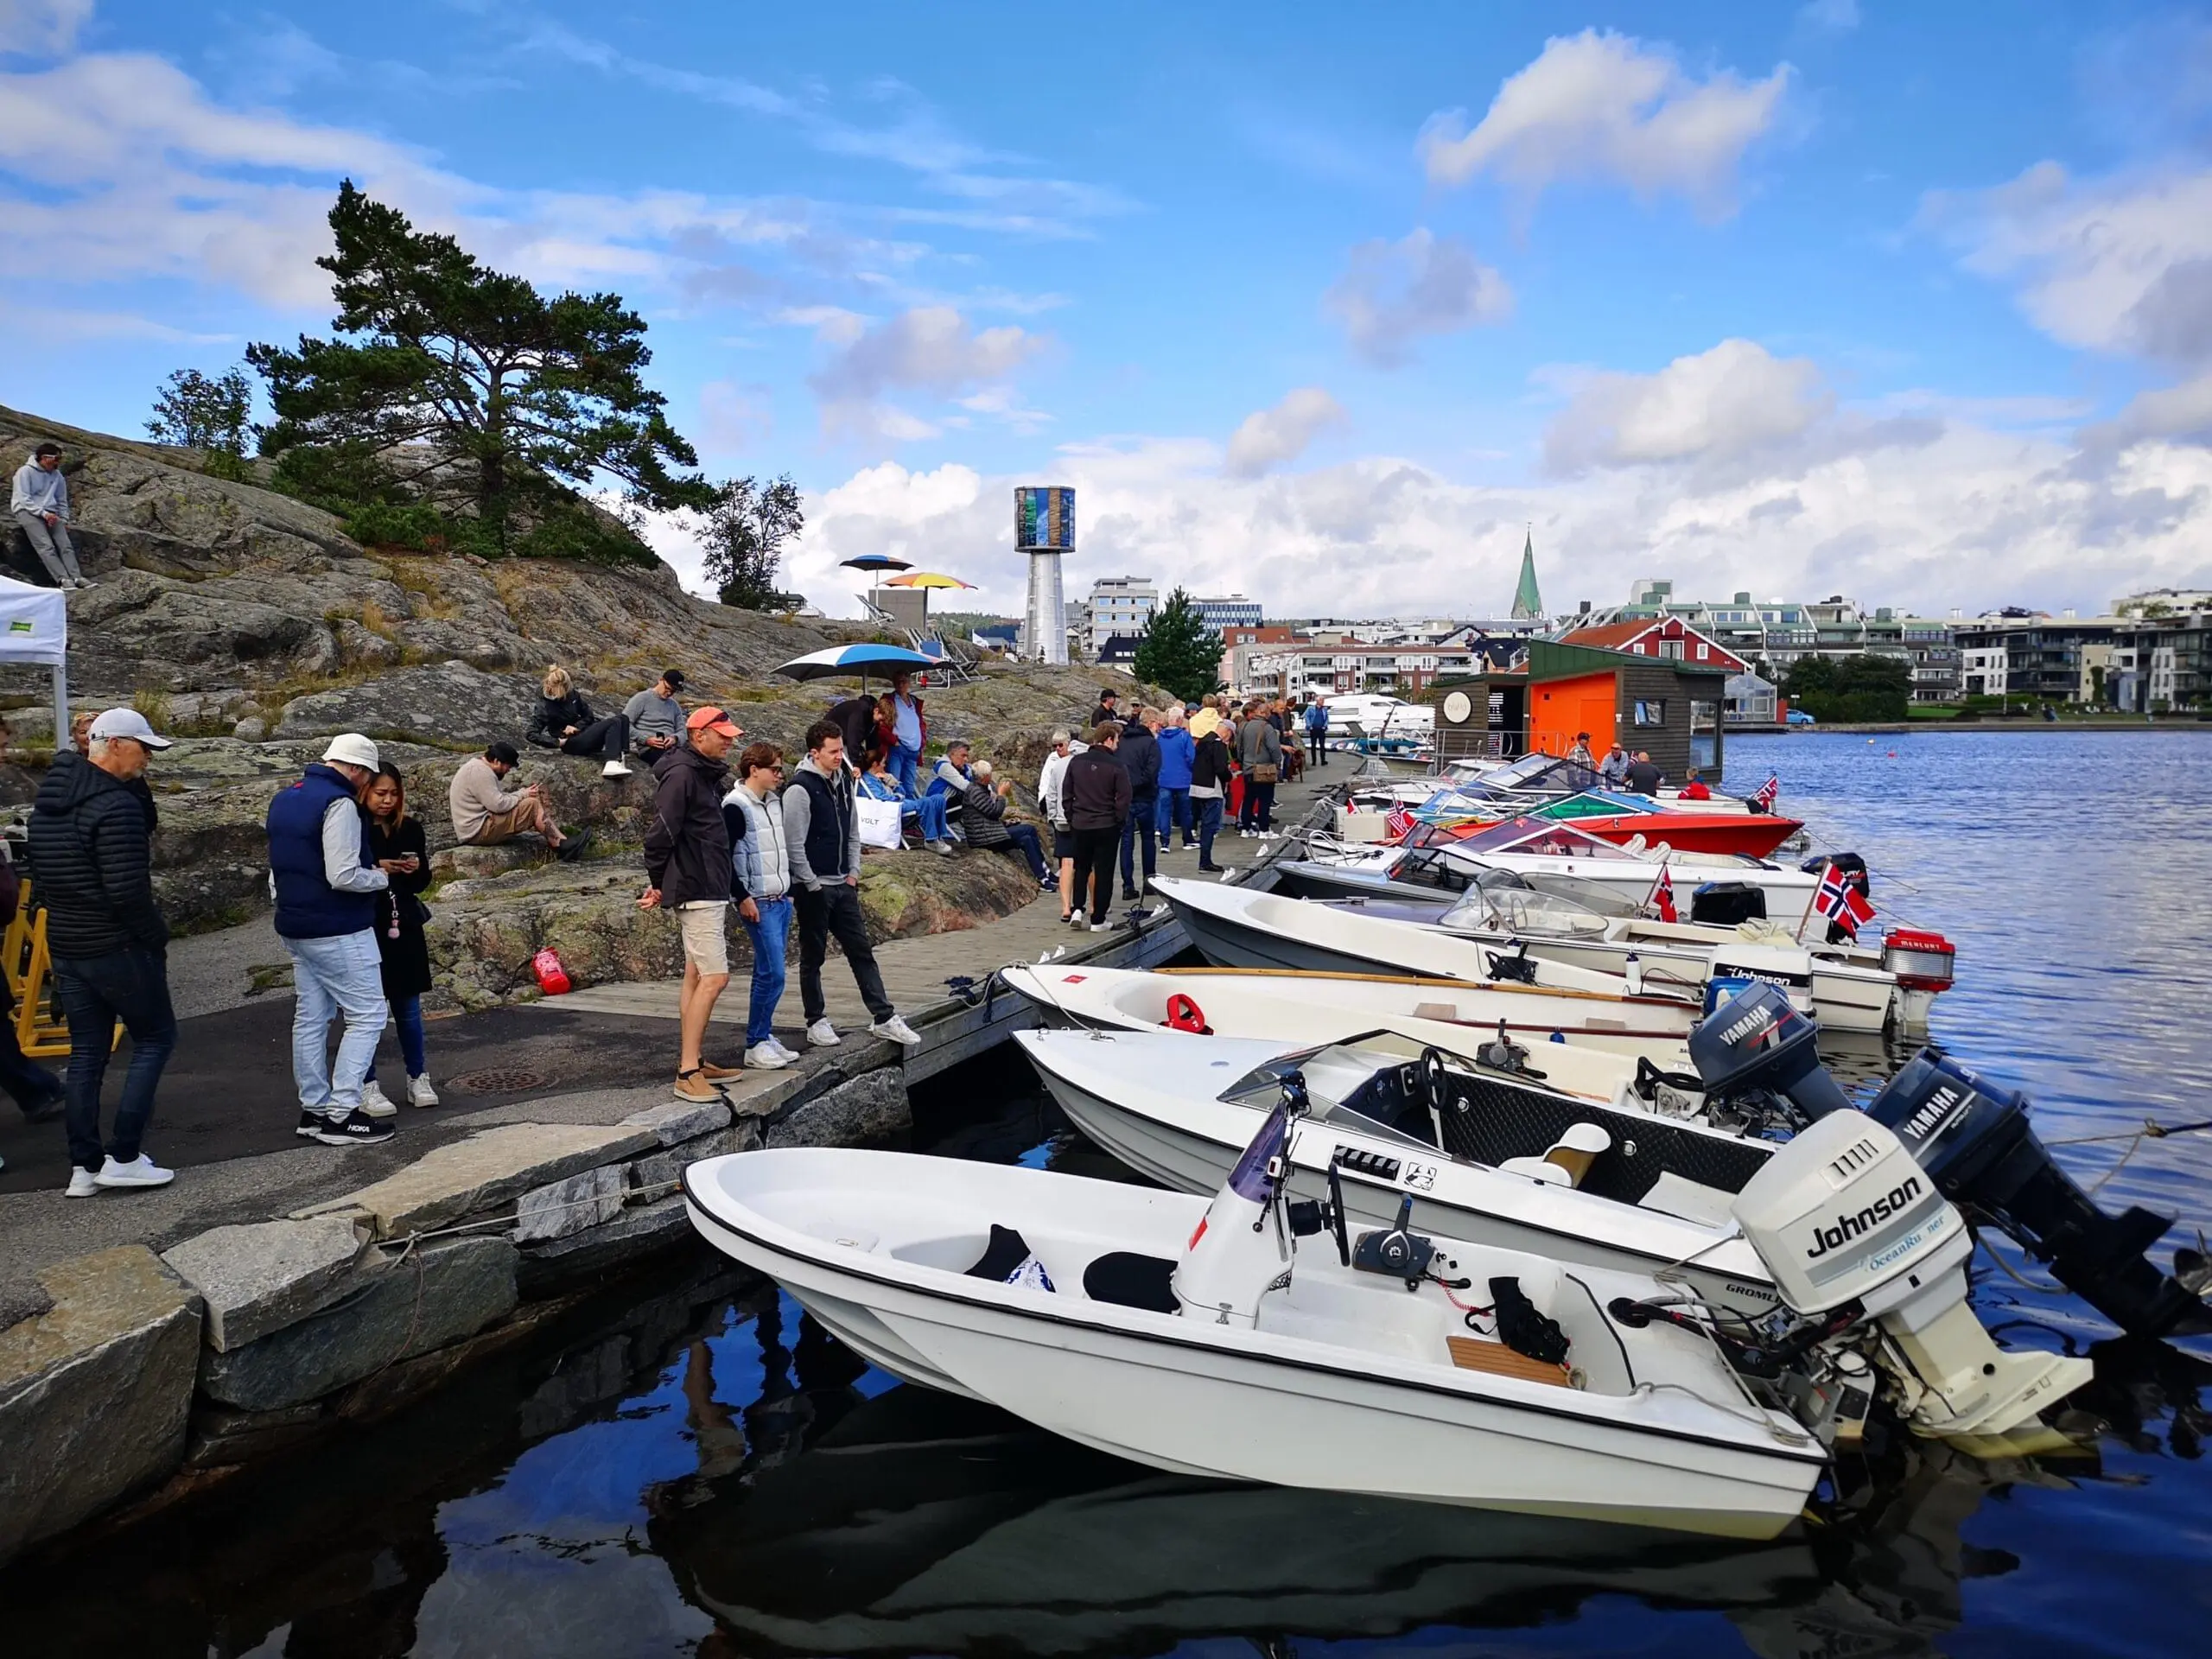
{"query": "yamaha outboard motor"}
(1755, 1044)
(1973, 1139)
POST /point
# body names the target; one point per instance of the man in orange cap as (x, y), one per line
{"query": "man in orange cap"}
(688, 869)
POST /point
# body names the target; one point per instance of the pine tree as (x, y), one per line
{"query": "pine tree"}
(459, 383)
(194, 412)
(1179, 650)
(745, 530)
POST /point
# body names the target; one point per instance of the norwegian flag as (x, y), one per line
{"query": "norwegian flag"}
(1767, 791)
(1663, 895)
(1841, 902)
(1399, 823)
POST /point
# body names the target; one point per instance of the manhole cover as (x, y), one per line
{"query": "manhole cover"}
(499, 1082)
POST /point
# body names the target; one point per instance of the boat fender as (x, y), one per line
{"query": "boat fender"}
(1523, 1327)
(1183, 1014)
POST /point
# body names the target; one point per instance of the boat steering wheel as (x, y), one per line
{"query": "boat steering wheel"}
(1435, 1080)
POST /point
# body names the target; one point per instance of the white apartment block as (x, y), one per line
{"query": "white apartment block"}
(1120, 604)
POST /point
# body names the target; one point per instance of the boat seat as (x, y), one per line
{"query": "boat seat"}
(1007, 1260)
(1496, 1359)
(1129, 1279)
(1567, 1159)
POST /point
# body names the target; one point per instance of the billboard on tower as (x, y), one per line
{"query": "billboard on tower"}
(1044, 518)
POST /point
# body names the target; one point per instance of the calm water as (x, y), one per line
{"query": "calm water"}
(688, 1467)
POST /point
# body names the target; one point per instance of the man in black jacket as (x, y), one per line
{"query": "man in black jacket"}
(1096, 791)
(688, 869)
(91, 864)
(1139, 754)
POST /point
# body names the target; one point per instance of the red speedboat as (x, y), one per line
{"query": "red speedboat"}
(1622, 819)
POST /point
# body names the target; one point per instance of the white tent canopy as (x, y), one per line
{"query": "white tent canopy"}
(35, 629)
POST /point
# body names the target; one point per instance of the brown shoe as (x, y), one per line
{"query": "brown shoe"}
(692, 1087)
(709, 1069)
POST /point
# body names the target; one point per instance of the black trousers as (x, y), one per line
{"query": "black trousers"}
(606, 739)
(1094, 852)
(1316, 755)
(837, 910)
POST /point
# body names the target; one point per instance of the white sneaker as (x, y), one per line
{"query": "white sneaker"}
(895, 1030)
(419, 1092)
(776, 1043)
(374, 1102)
(763, 1057)
(615, 769)
(141, 1171)
(823, 1034)
(82, 1183)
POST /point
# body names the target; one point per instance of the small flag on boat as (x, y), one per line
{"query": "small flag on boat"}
(1663, 895)
(1767, 791)
(1399, 823)
(1841, 902)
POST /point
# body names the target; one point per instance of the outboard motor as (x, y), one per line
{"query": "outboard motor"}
(1757, 1044)
(1724, 904)
(1973, 1139)
(1855, 1232)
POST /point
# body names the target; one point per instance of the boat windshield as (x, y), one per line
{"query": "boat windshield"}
(1367, 1083)
(1522, 909)
(1540, 835)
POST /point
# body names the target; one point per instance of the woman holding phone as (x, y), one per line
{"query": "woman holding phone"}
(397, 844)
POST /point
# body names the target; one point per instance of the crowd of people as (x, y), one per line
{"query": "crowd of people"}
(733, 829)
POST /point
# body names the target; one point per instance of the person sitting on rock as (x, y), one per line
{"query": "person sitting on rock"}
(656, 717)
(485, 815)
(40, 503)
(926, 812)
(949, 783)
(983, 807)
(566, 722)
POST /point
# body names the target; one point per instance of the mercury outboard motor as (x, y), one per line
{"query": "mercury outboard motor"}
(1755, 1044)
(1974, 1140)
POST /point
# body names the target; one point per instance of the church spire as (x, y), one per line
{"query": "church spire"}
(1527, 601)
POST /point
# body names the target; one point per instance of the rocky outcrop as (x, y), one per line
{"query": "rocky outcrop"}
(461, 707)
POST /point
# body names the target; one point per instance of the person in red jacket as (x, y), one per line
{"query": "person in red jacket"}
(1695, 789)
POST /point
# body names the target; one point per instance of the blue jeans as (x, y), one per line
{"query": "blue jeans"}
(1207, 807)
(1023, 837)
(772, 939)
(929, 812)
(339, 976)
(132, 986)
(1174, 812)
(904, 764)
(1138, 827)
(407, 1015)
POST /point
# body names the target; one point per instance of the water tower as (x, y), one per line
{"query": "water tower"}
(1043, 527)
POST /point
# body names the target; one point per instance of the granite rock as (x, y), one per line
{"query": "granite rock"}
(868, 1109)
(664, 1168)
(570, 1206)
(261, 1277)
(94, 1393)
(679, 1120)
(440, 1295)
(486, 1173)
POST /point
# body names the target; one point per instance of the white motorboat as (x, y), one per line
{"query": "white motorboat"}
(1236, 926)
(1197, 1336)
(1378, 717)
(1180, 1113)
(1304, 1008)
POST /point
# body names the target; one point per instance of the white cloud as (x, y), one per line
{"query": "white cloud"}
(2118, 264)
(930, 349)
(1395, 293)
(1971, 517)
(2182, 413)
(42, 26)
(1721, 404)
(1267, 437)
(1829, 16)
(1604, 106)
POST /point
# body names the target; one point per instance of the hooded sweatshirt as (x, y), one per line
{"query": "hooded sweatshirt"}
(39, 491)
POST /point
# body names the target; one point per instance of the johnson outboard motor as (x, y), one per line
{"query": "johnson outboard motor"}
(1974, 1138)
(1755, 1044)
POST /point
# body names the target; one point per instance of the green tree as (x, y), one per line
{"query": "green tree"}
(1179, 650)
(744, 529)
(194, 412)
(1866, 687)
(455, 383)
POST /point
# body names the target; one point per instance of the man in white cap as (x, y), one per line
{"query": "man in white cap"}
(324, 885)
(90, 857)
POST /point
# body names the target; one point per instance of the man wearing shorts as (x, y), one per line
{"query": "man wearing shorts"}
(688, 869)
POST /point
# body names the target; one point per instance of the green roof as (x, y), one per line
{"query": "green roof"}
(1527, 601)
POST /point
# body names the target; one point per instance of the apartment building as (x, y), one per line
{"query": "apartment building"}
(1118, 604)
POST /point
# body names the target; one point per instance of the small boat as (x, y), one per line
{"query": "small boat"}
(1199, 1336)
(1311, 1008)
(1236, 926)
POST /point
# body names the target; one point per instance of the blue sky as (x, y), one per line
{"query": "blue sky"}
(1321, 303)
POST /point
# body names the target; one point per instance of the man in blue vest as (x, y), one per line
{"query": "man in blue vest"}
(324, 885)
